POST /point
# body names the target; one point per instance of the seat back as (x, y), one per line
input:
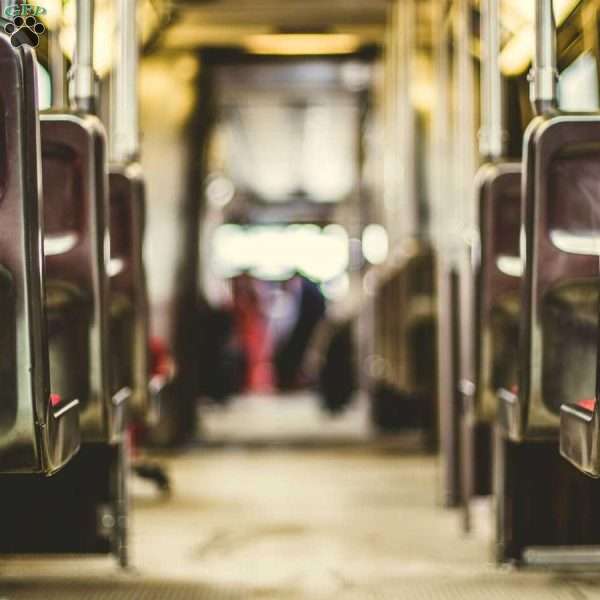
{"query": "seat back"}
(77, 251)
(498, 281)
(559, 295)
(128, 295)
(403, 365)
(39, 432)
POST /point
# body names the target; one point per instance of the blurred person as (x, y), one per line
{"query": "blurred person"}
(291, 348)
(338, 372)
(253, 334)
(222, 360)
(283, 304)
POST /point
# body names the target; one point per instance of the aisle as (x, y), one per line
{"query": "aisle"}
(293, 419)
(293, 524)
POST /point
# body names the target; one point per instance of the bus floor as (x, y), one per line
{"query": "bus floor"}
(246, 521)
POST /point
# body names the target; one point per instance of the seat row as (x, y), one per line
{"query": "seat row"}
(517, 308)
(74, 337)
(531, 380)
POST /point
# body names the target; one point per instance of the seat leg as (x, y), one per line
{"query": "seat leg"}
(543, 504)
(121, 471)
(80, 510)
(467, 465)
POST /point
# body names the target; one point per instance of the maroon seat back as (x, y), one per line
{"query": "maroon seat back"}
(38, 433)
(77, 249)
(559, 295)
(498, 276)
(128, 282)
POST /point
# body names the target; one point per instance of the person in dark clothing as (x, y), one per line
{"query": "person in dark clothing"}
(337, 376)
(221, 363)
(291, 350)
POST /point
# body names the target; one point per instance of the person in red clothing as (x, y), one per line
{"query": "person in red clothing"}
(161, 362)
(253, 332)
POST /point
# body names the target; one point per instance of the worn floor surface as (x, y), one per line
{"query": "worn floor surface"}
(269, 522)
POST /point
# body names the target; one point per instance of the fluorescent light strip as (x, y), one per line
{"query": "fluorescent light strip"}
(302, 43)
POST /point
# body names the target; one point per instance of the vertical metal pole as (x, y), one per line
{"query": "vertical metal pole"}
(82, 77)
(492, 136)
(491, 140)
(465, 115)
(405, 128)
(442, 126)
(390, 138)
(124, 118)
(465, 153)
(57, 67)
(543, 77)
(443, 240)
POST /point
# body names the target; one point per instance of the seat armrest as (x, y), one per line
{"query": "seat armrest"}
(157, 386)
(509, 413)
(579, 436)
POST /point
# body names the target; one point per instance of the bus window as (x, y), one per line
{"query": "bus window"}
(44, 88)
(578, 87)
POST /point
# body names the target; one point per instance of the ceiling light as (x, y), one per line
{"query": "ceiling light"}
(302, 43)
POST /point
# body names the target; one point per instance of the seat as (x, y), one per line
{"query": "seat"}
(494, 328)
(544, 507)
(88, 498)
(76, 249)
(39, 413)
(498, 274)
(128, 295)
(403, 381)
(580, 434)
(558, 315)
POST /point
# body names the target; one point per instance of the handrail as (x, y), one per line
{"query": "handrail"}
(82, 88)
(492, 136)
(406, 194)
(124, 121)
(543, 77)
(57, 67)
